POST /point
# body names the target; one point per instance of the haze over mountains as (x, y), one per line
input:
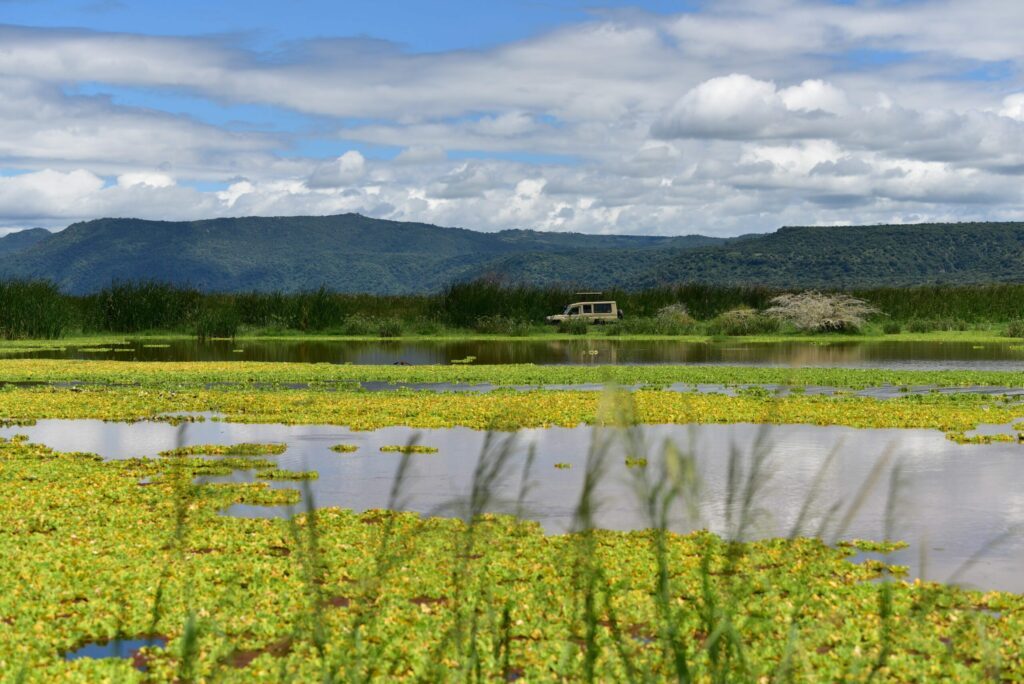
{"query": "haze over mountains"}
(354, 253)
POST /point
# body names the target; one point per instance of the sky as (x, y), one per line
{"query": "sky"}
(659, 117)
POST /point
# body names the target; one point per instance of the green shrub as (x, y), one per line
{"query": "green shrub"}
(1015, 328)
(742, 321)
(389, 327)
(659, 325)
(426, 326)
(674, 319)
(501, 325)
(360, 325)
(921, 325)
(891, 328)
(573, 326)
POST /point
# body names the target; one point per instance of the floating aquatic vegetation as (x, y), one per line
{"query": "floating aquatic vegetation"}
(279, 474)
(220, 466)
(89, 555)
(345, 448)
(174, 375)
(243, 449)
(563, 466)
(466, 360)
(961, 438)
(409, 449)
(873, 546)
(509, 410)
(636, 462)
(178, 419)
(16, 422)
(156, 346)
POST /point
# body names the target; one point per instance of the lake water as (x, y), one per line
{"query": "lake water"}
(951, 500)
(1007, 355)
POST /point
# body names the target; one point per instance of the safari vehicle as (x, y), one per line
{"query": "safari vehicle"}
(590, 311)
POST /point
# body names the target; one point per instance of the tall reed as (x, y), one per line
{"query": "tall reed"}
(35, 309)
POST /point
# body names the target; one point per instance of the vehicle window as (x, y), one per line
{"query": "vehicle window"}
(605, 308)
(587, 308)
(574, 310)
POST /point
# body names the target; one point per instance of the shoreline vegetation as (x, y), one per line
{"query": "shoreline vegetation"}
(38, 310)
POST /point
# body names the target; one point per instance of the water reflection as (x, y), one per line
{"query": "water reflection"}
(873, 354)
(954, 498)
(119, 648)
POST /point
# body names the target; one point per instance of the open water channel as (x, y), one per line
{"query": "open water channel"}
(1007, 355)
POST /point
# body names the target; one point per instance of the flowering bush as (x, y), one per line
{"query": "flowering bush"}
(817, 312)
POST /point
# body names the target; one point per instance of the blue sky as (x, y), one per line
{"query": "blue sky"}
(596, 116)
(419, 25)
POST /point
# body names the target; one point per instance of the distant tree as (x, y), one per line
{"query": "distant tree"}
(817, 312)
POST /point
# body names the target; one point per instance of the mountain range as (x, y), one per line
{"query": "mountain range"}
(354, 253)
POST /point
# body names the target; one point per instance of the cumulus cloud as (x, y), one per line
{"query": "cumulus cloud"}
(345, 170)
(740, 117)
(1013, 107)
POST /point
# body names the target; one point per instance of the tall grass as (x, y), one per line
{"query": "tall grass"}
(134, 307)
(35, 309)
(32, 310)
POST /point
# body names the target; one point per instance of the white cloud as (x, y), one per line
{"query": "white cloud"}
(150, 179)
(740, 117)
(724, 107)
(345, 170)
(1013, 107)
(814, 95)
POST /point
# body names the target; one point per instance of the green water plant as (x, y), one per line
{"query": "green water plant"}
(335, 595)
(408, 449)
(279, 474)
(242, 449)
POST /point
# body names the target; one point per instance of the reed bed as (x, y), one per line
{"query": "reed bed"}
(37, 309)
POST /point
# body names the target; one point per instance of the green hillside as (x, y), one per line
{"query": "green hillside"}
(348, 253)
(353, 253)
(22, 240)
(801, 257)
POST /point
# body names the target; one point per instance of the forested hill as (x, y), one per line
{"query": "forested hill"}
(22, 240)
(862, 256)
(802, 257)
(358, 254)
(348, 252)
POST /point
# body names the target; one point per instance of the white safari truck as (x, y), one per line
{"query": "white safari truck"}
(589, 311)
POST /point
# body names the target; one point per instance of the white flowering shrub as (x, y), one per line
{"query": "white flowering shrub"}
(818, 312)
